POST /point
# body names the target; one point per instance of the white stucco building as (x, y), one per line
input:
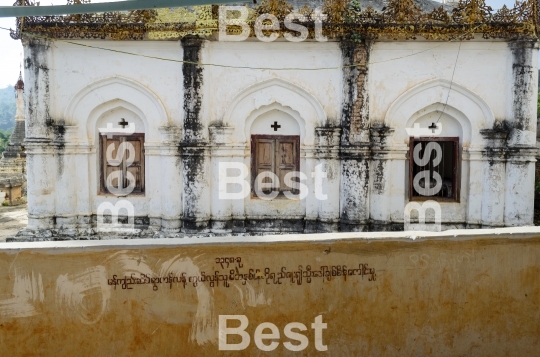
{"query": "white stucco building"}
(196, 102)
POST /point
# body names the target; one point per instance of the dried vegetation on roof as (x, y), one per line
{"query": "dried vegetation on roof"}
(372, 19)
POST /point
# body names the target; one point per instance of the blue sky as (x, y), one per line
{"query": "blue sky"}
(11, 50)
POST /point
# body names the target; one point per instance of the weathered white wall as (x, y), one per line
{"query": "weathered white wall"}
(243, 99)
(408, 82)
(223, 84)
(93, 87)
(76, 67)
(472, 82)
(483, 67)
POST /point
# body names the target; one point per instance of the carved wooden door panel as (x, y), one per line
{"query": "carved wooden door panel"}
(277, 154)
(115, 167)
(286, 160)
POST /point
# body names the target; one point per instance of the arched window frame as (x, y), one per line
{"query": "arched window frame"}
(455, 161)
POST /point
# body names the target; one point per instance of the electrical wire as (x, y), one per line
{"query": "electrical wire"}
(231, 66)
(247, 67)
(451, 82)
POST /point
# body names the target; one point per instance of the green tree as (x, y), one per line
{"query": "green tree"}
(4, 139)
(8, 107)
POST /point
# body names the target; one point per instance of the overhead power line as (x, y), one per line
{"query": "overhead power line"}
(451, 82)
(22, 11)
(30, 35)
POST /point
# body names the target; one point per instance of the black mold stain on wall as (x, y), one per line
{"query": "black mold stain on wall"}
(496, 149)
(350, 75)
(37, 84)
(60, 143)
(193, 78)
(354, 111)
(522, 71)
(360, 120)
(378, 136)
(193, 145)
(193, 176)
(378, 179)
(354, 155)
(355, 187)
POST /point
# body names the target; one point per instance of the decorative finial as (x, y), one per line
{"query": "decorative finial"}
(20, 83)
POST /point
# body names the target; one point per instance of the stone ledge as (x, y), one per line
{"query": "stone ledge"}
(47, 235)
(29, 240)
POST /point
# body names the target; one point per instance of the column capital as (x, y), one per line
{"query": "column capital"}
(220, 134)
(170, 135)
(496, 137)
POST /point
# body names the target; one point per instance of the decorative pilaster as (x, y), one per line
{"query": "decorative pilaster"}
(227, 214)
(327, 153)
(519, 194)
(37, 94)
(40, 151)
(472, 180)
(355, 145)
(41, 181)
(380, 196)
(493, 193)
(524, 90)
(195, 162)
(66, 179)
(355, 109)
(171, 179)
(196, 176)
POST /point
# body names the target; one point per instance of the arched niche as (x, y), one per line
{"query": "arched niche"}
(454, 123)
(90, 104)
(428, 100)
(270, 95)
(262, 121)
(108, 115)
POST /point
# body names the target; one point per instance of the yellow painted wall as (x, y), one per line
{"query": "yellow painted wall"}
(474, 294)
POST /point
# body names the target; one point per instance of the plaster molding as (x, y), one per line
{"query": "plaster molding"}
(77, 149)
(278, 94)
(328, 136)
(220, 134)
(86, 107)
(463, 105)
(230, 151)
(170, 135)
